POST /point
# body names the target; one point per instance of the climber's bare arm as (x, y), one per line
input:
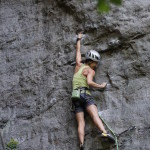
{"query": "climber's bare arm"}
(91, 83)
(78, 53)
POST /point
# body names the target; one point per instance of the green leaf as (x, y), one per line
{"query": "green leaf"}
(116, 2)
(103, 6)
(12, 144)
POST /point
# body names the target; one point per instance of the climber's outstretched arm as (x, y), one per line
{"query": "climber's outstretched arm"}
(78, 53)
(90, 74)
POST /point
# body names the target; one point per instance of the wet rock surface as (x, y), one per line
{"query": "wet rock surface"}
(37, 47)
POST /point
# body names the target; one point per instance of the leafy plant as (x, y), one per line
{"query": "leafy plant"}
(12, 145)
(104, 5)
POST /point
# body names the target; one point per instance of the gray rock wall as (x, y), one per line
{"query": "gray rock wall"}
(37, 47)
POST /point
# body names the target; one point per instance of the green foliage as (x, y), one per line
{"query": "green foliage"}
(12, 145)
(104, 5)
(116, 2)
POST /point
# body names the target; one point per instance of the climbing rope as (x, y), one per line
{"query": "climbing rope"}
(110, 131)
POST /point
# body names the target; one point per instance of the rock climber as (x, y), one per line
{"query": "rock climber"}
(82, 80)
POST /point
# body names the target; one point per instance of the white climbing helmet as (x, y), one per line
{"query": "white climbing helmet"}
(93, 55)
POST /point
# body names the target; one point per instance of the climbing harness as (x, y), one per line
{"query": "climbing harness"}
(76, 95)
(110, 131)
(76, 92)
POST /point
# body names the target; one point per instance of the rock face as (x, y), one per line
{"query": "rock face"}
(37, 48)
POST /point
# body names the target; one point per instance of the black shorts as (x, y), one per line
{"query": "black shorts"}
(84, 101)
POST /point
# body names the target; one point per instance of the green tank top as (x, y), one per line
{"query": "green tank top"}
(79, 80)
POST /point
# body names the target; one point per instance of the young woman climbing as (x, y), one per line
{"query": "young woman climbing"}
(82, 99)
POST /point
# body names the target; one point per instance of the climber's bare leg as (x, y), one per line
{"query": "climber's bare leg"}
(93, 112)
(81, 126)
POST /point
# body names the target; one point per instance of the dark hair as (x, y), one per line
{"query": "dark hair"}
(88, 61)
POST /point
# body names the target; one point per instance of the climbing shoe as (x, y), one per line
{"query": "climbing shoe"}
(81, 147)
(109, 137)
